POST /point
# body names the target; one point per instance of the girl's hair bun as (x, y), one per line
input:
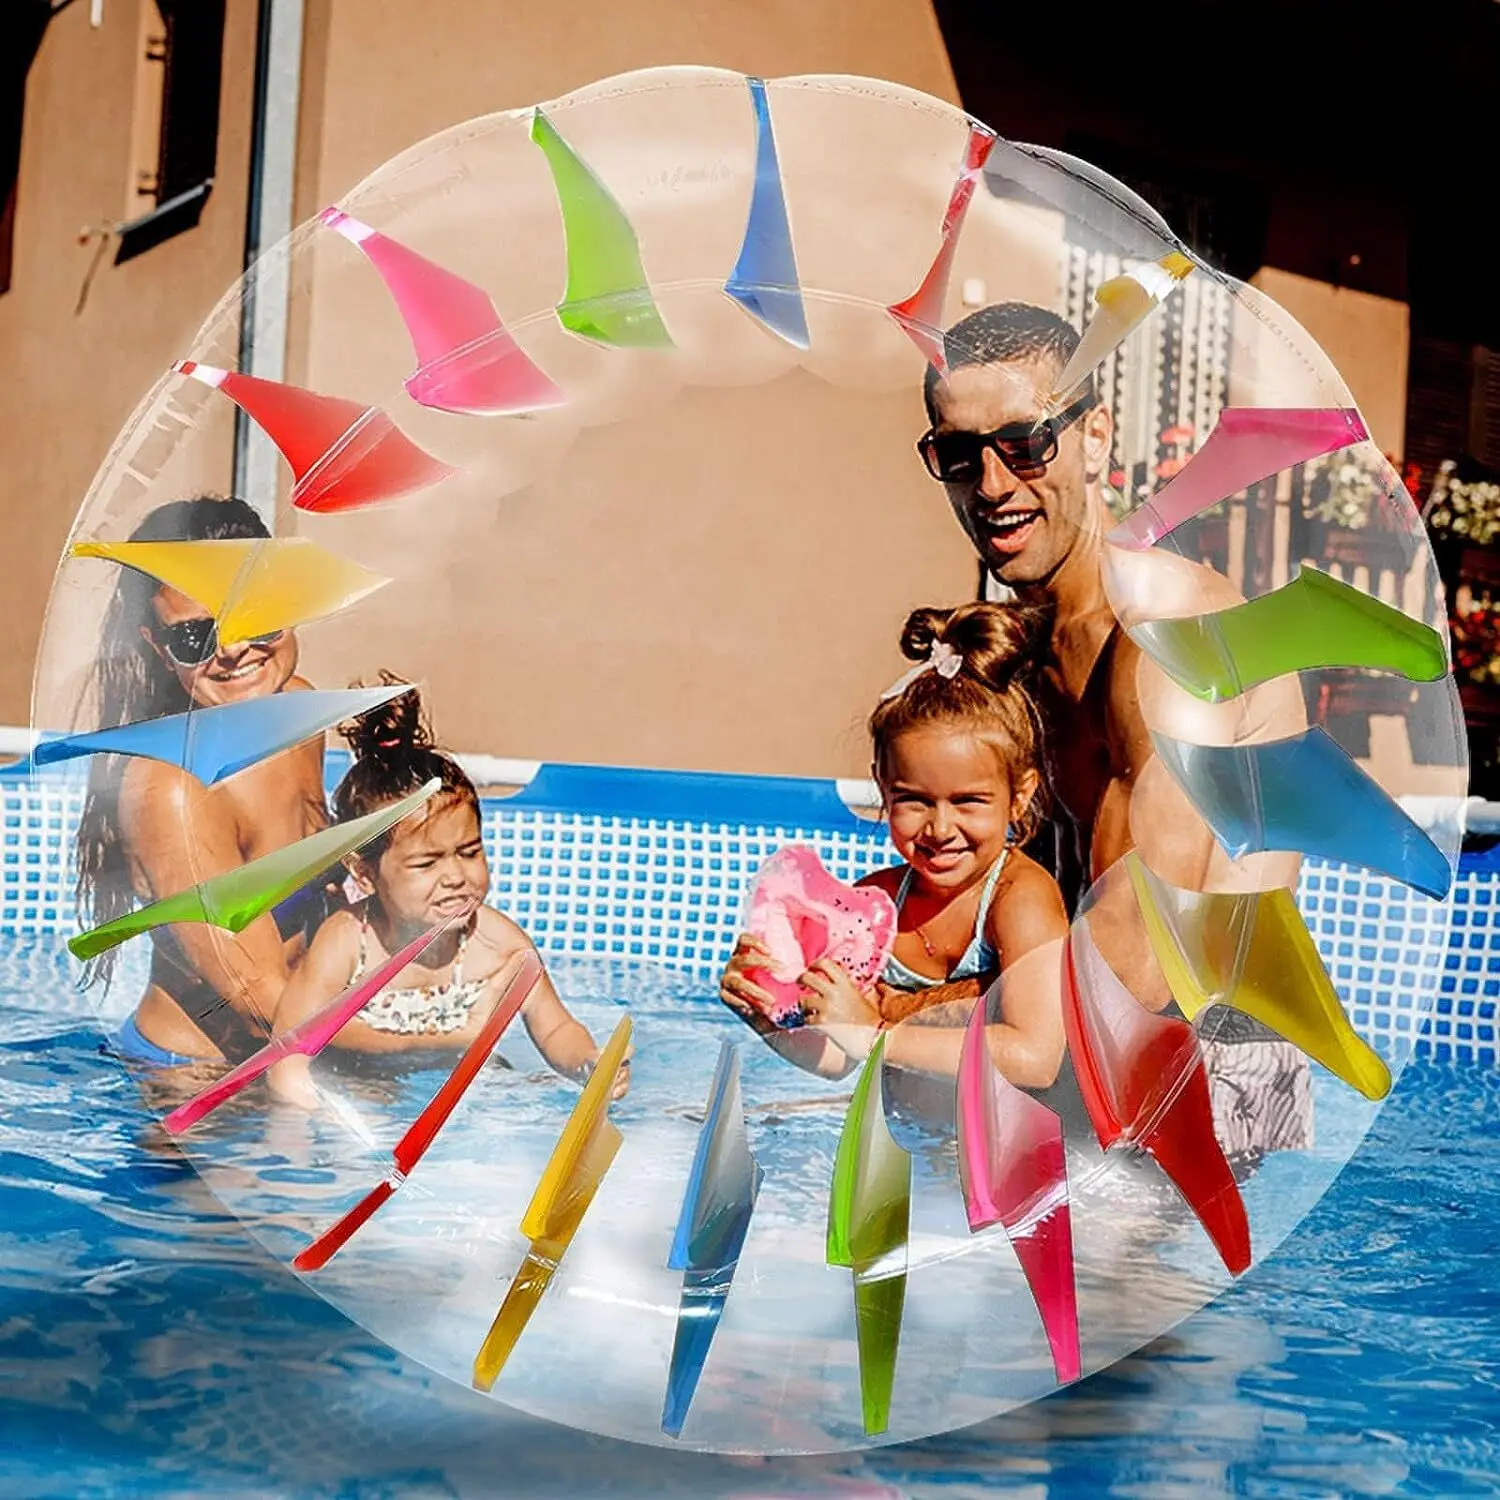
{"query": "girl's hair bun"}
(395, 753)
(998, 642)
(392, 730)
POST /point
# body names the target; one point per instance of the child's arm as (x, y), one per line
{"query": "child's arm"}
(1027, 925)
(809, 1050)
(325, 970)
(561, 1038)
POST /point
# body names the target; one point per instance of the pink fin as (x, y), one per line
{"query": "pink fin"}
(921, 314)
(802, 913)
(343, 455)
(308, 1038)
(1143, 1081)
(1248, 444)
(1014, 1172)
(466, 361)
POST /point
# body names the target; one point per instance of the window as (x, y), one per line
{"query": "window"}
(176, 134)
(23, 23)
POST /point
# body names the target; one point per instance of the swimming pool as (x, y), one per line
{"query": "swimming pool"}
(586, 856)
(148, 1347)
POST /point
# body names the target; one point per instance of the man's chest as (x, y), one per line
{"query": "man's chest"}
(1077, 747)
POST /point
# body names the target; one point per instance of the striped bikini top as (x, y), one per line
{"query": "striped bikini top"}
(978, 958)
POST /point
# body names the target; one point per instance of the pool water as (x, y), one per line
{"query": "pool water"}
(148, 1345)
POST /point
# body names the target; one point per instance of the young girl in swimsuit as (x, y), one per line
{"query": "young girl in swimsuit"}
(956, 757)
(429, 868)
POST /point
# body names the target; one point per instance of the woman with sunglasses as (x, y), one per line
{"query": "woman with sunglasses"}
(150, 830)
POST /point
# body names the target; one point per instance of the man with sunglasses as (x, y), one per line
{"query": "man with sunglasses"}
(1028, 489)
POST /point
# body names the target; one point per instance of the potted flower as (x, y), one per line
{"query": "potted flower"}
(1349, 514)
(1463, 509)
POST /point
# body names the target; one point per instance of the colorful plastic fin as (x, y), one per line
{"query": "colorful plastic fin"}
(1014, 1171)
(1312, 621)
(1121, 306)
(306, 1039)
(607, 298)
(584, 1153)
(1306, 795)
(1248, 444)
(214, 743)
(764, 280)
(236, 898)
(1253, 951)
(1143, 1082)
(869, 1216)
(422, 1131)
(466, 361)
(253, 586)
(342, 455)
(721, 1192)
(921, 314)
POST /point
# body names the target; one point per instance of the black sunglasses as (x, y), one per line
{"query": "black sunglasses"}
(191, 643)
(958, 457)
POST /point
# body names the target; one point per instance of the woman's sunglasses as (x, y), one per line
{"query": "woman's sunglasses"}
(191, 643)
(1026, 450)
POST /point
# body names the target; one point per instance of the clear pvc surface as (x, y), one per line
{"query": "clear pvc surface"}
(544, 365)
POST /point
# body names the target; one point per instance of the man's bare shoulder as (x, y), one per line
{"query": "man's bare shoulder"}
(1142, 697)
(1159, 585)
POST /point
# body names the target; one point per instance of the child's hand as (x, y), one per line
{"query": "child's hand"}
(290, 1081)
(622, 1078)
(833, 1004)
(743, 996)
(831, 997)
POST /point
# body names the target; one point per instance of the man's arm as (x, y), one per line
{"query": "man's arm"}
(1143, 807)
(897, 1005)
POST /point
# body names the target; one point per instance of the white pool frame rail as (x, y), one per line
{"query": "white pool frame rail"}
(1476, 814)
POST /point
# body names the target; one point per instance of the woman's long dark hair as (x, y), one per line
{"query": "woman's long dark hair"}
(130, 682)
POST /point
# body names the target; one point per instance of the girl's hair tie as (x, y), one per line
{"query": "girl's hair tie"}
(942, 659)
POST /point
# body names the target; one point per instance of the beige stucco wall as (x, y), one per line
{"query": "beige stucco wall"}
(383, 74)
(716, 578)
(69, 380)
(719, 584)
(1368, 339)
(702, 565)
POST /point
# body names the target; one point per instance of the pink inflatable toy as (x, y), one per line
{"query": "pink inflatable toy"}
(802, 913)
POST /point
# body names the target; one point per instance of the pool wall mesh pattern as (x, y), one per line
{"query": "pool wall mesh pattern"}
(653, 866)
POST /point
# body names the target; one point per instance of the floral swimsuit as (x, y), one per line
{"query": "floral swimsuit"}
(422, 1010)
